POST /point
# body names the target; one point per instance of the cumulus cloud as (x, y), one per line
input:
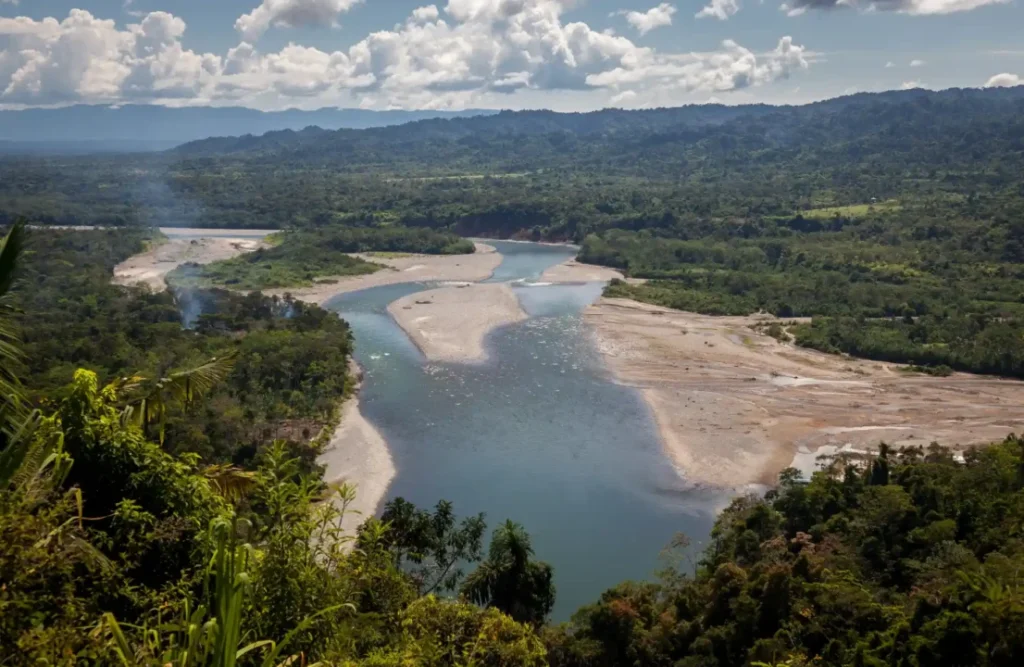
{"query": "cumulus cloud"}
(1004, 80)
(913, 7)
(719, 9)
(890, 65)
(731, 68)
(917, 63)
(470, 50)
(655, 17)
(83, 58)
(291, 14)
(911, 85)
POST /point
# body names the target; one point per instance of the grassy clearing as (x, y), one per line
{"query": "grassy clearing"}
(852, 211)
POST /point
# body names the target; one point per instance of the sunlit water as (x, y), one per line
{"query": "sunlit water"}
(539, 434)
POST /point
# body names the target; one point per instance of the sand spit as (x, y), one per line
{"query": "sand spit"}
(152, 266)
(358, 454)
(572, 271)
(734, 406)
(451, 323)
(199, 232)
(406, 269)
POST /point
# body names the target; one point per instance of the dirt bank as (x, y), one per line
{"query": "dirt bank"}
(572, 271)
(405, 269)
(734, 406)
(451, 323)
(358, 454)
(152, 267)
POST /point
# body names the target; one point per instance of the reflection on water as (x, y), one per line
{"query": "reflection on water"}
(539, 434)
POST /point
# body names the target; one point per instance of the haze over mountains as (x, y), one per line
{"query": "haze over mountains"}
(133, 128)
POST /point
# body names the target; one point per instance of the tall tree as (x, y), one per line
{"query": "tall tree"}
(510, 579)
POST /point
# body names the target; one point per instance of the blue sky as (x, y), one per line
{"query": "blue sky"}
(561, 54)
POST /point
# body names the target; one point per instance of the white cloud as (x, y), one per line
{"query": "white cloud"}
(9, 2)
(424, 14)
(655, 17)
(719, 9)
(1004, 80)
(913, 7)
(473, 50)
(83, 58)
(622, 98)
(731, 68)
(291, 14)
(890, 65)
(917, 63)
(910, 85)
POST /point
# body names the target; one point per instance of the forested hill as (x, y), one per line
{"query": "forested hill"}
(946, 125)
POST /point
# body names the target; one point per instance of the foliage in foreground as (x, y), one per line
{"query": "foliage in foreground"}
(914, 558)
(113, 550)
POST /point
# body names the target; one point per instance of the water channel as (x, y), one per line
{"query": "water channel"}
(539, 434)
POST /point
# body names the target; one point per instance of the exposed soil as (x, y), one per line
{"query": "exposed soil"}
(152, 267)
(572, 271)
(735, 406)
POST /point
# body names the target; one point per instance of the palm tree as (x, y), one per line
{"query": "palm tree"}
(509, 580)
(20, 456)
(181, 389)
(11, 398)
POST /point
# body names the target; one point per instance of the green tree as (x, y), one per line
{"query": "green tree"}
(431, 545)
(510, 580)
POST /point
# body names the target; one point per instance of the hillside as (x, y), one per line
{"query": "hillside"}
(550, 175)
(649, 142)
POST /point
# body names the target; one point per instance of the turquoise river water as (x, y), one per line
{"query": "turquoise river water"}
(539, 434)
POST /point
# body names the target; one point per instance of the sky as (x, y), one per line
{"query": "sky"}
(567, 55)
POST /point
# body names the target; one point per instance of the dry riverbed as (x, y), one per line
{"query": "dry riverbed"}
(734, 406)
(451, 323)
(152, 266)
(572, 271)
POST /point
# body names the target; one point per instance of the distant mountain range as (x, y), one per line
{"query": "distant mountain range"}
(909, 125)
(136, 128)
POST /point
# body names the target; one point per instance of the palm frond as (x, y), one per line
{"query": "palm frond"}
(180, 388)
(19, 445)
(191, 384)
(11, 398)
(230, 481)
(10, 249)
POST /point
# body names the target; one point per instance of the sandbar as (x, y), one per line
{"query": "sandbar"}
(734, 407)
(406, 269)
(571, 271)
(151, 267)
(451, 323)
(357, 453)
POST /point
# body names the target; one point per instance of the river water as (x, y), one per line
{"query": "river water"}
(539, 434)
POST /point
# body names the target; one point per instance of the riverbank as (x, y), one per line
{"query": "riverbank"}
(451, 323)
(405, 269)
(358, 454)
(151, 267)
(734, 406)
(572, 271)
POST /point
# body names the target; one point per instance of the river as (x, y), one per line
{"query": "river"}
(539, 434)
